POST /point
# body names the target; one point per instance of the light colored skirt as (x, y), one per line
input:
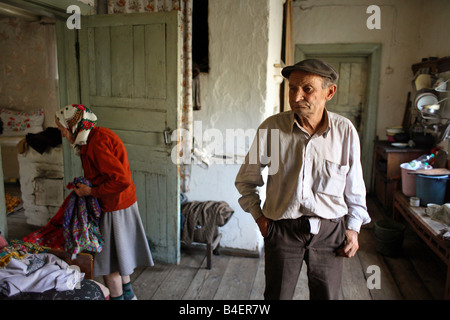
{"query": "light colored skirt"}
(126, 246)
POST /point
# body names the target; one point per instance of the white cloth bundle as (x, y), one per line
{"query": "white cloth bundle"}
(38, 273)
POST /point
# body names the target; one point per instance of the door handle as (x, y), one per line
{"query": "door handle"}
(167, 136)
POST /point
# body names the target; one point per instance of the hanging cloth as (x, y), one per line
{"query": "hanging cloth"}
(196, 87)
(202, 219)
(51, 234)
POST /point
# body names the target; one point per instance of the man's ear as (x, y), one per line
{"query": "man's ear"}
(331, 90)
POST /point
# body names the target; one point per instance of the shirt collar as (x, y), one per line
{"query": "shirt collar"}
(323, 130)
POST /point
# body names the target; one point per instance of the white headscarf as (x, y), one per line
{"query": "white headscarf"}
(79, 120)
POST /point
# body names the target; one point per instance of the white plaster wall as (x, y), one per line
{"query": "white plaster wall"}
(217, 183)
(239, 92)
(28, 69)
(234, 90)
(274, 77)
(434, 28)
(410, 30)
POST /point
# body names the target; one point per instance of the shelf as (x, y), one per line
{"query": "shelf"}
(436, 65)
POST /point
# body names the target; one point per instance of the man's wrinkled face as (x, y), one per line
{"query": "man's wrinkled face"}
(307, 97)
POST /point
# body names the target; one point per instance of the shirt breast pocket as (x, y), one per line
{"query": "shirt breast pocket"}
(332, 179)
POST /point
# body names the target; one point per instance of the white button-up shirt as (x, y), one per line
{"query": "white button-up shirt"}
(318, 176)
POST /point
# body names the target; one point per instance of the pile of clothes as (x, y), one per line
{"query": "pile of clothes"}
(32, 272)
(38, 273)
(27, 267)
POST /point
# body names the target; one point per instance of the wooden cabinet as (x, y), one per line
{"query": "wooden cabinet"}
(387, 172)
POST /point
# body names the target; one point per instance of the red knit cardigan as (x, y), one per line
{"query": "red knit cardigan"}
(105, 164)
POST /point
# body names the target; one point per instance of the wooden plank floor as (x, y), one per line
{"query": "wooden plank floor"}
(416, 274)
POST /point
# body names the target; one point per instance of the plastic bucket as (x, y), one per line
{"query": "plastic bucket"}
(408, 181)
(389, 237)
(431, 189)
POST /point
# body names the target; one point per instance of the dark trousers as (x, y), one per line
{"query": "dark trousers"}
(287, 244)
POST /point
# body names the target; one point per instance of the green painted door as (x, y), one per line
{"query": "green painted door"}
(129, 77)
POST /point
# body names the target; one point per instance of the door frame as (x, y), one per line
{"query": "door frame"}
(69, 91)
(373, 53)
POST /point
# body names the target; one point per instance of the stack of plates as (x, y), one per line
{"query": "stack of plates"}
(426, 99)
(392, 131)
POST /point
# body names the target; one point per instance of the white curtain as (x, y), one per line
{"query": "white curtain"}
(185, 7)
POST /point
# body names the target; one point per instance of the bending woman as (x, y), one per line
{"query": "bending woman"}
(105, 164)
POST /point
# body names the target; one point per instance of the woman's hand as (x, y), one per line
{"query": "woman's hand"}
(82, 190)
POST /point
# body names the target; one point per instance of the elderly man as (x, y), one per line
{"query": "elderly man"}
(315, 199)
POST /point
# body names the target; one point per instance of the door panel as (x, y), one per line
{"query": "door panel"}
(129, 67)
(137, 119)
(140, 51)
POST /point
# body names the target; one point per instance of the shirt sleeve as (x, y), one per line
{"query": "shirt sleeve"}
(249, 179)
(115, 177)
(355, 189)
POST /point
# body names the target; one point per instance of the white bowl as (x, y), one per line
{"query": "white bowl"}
(393, 131)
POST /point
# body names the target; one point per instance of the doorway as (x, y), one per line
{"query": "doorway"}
(28, 94)
(357, 97)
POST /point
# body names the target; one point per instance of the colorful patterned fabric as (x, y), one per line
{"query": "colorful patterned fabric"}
(74, 227)
(80, 222)
(51, 234)
(18, 249)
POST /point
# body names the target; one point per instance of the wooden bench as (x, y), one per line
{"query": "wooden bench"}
(427, 229)
(84, 261)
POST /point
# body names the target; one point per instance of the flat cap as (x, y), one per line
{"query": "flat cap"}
(315, 66)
